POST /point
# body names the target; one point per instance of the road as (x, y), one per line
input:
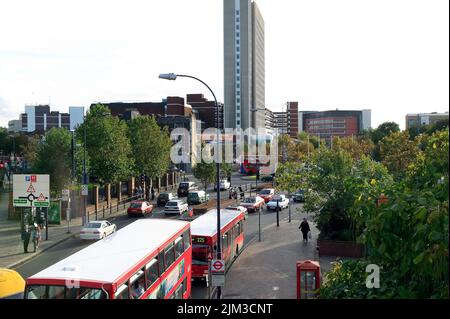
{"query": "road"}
(72, 245)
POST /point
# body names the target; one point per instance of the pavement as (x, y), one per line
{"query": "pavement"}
(266, 269)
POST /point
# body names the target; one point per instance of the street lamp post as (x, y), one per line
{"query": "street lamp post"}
(172, 77)
(256, 183)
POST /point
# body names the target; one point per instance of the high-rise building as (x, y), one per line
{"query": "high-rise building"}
(244, 65)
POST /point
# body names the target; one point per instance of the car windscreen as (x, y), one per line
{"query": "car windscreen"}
(250, 200)
(135, 205)
(164, 196)
(93, 225)
(265, 192)
(184, 185)
(276, 198)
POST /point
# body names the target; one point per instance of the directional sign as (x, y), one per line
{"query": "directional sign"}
(218, 280)
(65, 195)
(31, 190)
(218, 266)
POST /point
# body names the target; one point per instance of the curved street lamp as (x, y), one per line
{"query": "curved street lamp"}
(173, 77)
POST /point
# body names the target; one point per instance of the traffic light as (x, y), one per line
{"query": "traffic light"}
(142, 178)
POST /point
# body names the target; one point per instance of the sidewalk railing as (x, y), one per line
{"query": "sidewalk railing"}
(106, 211)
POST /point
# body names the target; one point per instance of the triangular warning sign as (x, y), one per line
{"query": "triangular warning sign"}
(41, 198)
(30, 189)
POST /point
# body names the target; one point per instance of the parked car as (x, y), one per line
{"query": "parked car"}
(253, 203)
(267, 194)
(238, 208)
(224, 185)
(280, 201)
(97, 229)
(299, 196)
(175, 206)
(185, 187)
(163, 198)
(197, 197)
(139, 207)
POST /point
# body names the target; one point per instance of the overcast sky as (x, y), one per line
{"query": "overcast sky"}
(391, 56)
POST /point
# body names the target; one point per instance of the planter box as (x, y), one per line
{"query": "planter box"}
(340, 248)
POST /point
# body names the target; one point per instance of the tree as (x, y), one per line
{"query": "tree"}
(30, 149)
(226, 169)
(150, 146)
(397, 152)
(357, 147)
(383, 130)
(205, 172)
(54, 158)
(107, 144)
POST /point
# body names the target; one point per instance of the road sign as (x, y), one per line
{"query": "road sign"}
(31, 190)
(218, 266)
(65, 195)
(218, 280)
(84, 190)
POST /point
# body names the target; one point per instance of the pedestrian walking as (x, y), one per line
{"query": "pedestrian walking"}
(26, 234)
(304, 228)
(36, 236)
(153, 193)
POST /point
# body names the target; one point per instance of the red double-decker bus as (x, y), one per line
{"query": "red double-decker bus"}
(204, 239)
(148, 259)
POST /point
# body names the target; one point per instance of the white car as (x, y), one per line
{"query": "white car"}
(238, 208)
(97, 229)
(176, 206)
(281, 200)
(223, 184)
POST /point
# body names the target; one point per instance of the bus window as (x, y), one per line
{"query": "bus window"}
(137, 284)
(169, 255)
(162, 269)
(200, 254)
(184, 285)
(56, 292)
(186, 239)
(179, 247)
(123, 292)
(152, 272)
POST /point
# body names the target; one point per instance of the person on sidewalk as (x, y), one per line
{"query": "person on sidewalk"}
(304, 228)
(153, 193)
(36, 236)
(26, 238)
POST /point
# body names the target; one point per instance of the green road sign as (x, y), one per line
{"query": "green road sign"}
(20, 201)
(54, 212)
(41, 204)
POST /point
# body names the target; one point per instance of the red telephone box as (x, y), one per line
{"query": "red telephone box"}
(308, 279)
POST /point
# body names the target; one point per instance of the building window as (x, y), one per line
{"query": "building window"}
(237, 12)
(238, 100)
(238, 122)
(238, 107)
(237, 49)
(238, 93)
(237, 19)
(237, 41)
(237, 63)
(237, 71)
(237, 26)
(238, 78)
(237, 56)
(237, 34)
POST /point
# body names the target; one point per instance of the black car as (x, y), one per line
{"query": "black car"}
(267, 178)
(299, 196)
(163, 198)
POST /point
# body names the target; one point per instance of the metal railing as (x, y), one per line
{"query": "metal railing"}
(106, 211)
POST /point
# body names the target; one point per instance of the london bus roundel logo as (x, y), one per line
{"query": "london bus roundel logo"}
(218, 265)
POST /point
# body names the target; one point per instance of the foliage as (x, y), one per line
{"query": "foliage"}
(357, 147)
(30, 149)
(107, 144)
(398, 152)
(205, 172)
(226, 169)
(53, 158)
(383, 130)
(150, 146)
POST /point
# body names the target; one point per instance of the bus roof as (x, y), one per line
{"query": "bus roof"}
(110, 258)
(206, 225)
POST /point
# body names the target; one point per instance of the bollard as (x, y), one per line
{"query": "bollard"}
(96, 217)
(110, 208)
(103, 211)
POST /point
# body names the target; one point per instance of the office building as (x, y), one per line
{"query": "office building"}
(244, 65)
(207, 110)
(419, 119)
(39, 119)
(339, 123)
